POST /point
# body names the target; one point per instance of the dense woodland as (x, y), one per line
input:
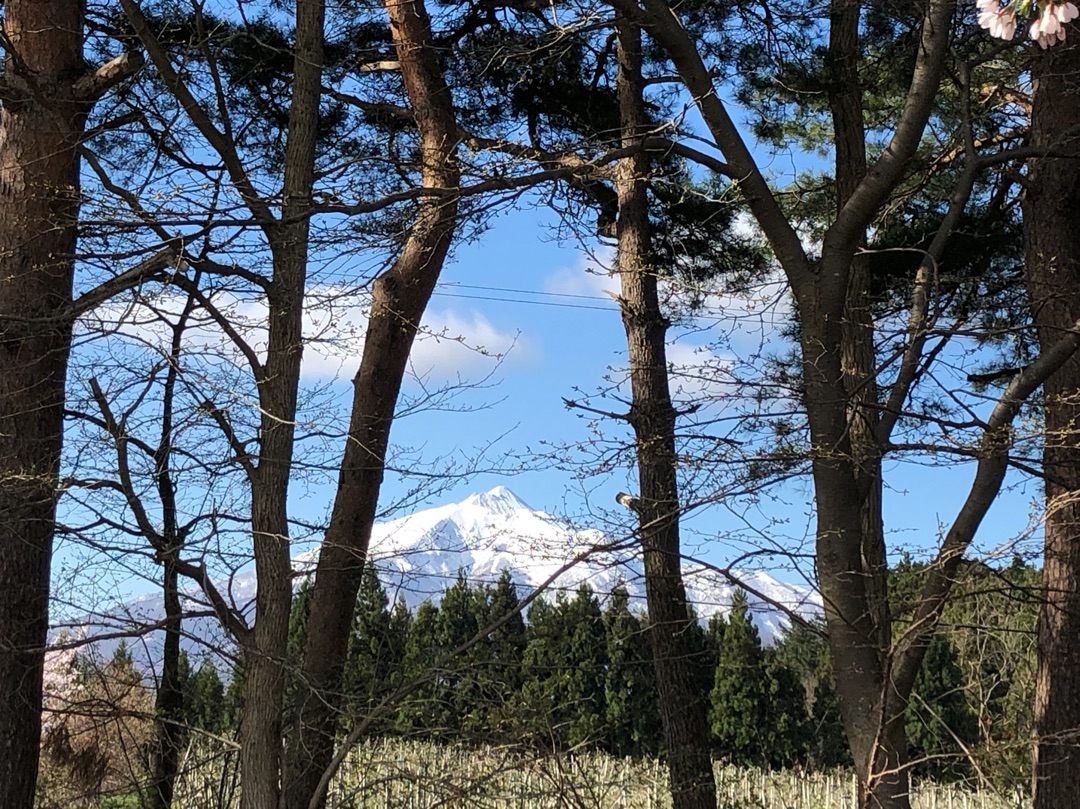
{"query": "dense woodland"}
(193, 198)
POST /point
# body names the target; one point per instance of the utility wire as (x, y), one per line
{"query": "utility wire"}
(522, 300)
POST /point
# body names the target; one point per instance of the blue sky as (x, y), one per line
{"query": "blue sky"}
(523, 316)
(563, 345)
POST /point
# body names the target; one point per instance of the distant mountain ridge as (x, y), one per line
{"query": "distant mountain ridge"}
(418, 556)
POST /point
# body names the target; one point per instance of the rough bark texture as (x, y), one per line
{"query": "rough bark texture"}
(264, 656)
(399, 298)
(881, 760)
(1052, 248)
(39, 171)
(652, 417)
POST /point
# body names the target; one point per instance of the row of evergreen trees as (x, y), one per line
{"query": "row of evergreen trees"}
(576, 674)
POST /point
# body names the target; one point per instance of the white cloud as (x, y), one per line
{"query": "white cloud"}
(450, 344)
(591, 276)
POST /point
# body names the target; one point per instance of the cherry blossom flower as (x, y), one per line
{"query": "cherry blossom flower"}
(1048, 28)
(1000, 20)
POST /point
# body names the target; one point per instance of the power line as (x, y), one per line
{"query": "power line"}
(522, 300)
(528, 292)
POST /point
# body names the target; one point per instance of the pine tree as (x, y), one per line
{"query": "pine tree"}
(376, 649)
(828, 743)
(804, 651)
(461, 611)
(205, 698)
(502, 652)
(738, 694)
(565, 664)
(940, 722)
(234, 698)
(423, 712)
(786, 731)
(584, 704)
(295, 692)
(631, 718)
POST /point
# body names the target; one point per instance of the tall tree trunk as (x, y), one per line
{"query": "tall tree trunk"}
(652, 417)
(1052, 252)
(277, 380)
(40, 127)
(169, 701)
(399, 298)
(883, 757)
(264, 657)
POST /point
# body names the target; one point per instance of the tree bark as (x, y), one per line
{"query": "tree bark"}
(261, 759)
(169, 701)
(881, 764)
(652, 416)
(277, 380)
(40, 128)
(1052, 252)
(399, 298)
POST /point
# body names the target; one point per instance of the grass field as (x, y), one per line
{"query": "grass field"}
(413, 775)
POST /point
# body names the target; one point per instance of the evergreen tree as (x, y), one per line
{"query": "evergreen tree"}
(583, 703)
(424, 711)
(940, 722)
(503, 653)
(739, 693)
(376, 649)
(786, 730)
(298, 621)
(828, 746)
(461, 612)
(632, 720)
(234, 698)
(205, 699)
(804, 651)
(565, 664)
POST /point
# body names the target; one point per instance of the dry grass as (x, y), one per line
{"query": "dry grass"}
(414, 775)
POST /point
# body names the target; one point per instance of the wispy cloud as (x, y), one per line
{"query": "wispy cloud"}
(449, 345)
(592, 276)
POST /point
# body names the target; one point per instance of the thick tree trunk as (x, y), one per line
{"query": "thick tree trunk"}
(261, 757)
(399, 299)
(1052, 251)
(881, 739)
(652, 417)
(39, 174)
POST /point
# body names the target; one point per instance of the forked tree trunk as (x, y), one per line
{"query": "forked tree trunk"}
(1052, 252)
(881, 765)
(40, 128)
(400, 296)
(261, 752)
(277, 380)
(652, 417)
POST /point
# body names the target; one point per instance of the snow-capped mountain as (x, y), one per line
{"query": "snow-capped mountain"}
(420, 555)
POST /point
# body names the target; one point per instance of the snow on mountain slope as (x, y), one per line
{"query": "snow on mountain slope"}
(420, 555)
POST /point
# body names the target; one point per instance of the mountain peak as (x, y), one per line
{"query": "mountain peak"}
(499, 500)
